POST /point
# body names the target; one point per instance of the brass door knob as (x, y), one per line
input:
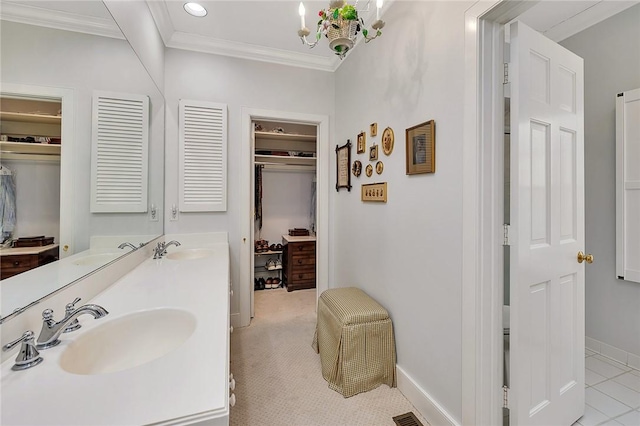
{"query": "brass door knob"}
(582, 257)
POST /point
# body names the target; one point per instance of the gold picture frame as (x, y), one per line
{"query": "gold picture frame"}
(343, 166)
(421, 148)
(361, 145)
(373, 129)
(373, 152)
(387, 141)
(374, 192)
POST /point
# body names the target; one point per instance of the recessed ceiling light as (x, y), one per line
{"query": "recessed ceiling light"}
(195, 9)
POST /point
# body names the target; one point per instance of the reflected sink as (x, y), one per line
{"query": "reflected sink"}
(189, 254)
(128, 341)
(97, 259)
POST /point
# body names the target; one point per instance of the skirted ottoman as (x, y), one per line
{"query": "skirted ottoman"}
(354, 337)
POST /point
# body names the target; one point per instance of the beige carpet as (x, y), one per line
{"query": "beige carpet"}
(278, 376)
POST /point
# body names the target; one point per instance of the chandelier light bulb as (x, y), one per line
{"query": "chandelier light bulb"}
(301, 11)
(378, 7)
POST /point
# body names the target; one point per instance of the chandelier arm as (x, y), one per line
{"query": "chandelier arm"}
(306, 42)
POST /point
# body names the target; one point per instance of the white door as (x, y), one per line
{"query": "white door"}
(547, 231)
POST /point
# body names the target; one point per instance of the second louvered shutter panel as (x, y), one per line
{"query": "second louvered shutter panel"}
(119, 153)
(203, 156)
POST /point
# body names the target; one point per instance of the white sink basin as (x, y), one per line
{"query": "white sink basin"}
(190, 254)
(97, 259)
(128, 341)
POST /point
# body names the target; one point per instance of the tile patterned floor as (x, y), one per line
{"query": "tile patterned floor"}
(612, 393)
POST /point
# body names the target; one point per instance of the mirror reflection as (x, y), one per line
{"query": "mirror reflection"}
(57, 153)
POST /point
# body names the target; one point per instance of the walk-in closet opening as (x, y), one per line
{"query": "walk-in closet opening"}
(30, 141)
(285, 198)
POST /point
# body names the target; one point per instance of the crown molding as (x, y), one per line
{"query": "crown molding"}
(197, 43)
(59, 20)
(586, 18)
(161, 16)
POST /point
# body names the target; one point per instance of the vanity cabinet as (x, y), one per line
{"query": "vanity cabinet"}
(14, 261)
(299, 262)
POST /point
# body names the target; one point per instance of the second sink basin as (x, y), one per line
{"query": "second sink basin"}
(190, 254)
(128, 341)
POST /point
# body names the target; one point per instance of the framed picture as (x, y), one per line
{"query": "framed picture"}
(373, 129)
(387, 141)
(343, 166)
(362, 143)
(376, 192)
(421, 148)
(373, 153)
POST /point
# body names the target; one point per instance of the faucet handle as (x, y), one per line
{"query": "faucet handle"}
(47, 315)
(29, 355)
(75, 324)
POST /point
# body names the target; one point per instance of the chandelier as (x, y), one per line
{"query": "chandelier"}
(341, 24)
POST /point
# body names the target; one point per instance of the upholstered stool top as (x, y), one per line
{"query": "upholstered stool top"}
(351, 305)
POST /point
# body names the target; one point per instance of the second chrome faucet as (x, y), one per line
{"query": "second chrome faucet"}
(161, 248)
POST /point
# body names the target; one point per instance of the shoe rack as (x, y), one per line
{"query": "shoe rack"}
(266, 271)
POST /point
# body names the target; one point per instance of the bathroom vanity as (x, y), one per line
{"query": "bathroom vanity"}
(161, 355)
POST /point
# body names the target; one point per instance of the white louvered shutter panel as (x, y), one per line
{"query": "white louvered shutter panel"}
(203, 156)
(119, 153)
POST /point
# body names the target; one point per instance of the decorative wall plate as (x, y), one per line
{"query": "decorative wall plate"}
(387, 141)
(379, 167)
(356, 168)
(369, 170)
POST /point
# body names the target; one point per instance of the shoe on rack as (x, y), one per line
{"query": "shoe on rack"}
(269, 283)
(278, 264)
(275, 283)
(271, 265)
(272, 247)
(256, 284)
(278, 247)
(261, 283)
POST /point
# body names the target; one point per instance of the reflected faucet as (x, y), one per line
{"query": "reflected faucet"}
(123, 245)
(51, 329)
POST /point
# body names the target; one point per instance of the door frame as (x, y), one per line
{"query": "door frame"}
(67, 154)
(482, 207)
(246, 184)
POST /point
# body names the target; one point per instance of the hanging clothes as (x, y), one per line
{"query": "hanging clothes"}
(258, 196)
(7, 204)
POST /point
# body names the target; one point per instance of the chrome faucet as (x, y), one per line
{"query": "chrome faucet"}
(161, 248)
(51, 329)
(123, 245)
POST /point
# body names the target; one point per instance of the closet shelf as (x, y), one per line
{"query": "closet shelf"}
(285, 137)
(268, 253)
(29, 148)
(30, 118)
(285, 159)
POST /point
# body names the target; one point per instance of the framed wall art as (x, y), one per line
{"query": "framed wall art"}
(421, 148)
(373, 153)
(362, 143)
(343, 166)
(373, 129)
(376, 192)
(387, 141)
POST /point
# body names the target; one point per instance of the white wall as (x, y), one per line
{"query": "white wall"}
(406, 253)
(37, 197)
(46, 57)
(286, 203)
(238, 83)
(611, 52)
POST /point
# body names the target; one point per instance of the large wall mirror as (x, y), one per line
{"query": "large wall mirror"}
(56, 55)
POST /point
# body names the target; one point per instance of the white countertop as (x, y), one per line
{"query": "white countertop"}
(186, 385)
(298, 239)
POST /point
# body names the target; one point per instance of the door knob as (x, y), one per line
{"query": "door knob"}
(582, 257)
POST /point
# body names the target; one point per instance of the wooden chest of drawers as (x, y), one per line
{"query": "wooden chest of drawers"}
(299, 265)
(14, 264)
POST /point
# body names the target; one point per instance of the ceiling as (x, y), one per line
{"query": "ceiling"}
(267, 30)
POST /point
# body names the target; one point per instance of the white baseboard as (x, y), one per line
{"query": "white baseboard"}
(430, 409)
(235, 320)
(627, 358)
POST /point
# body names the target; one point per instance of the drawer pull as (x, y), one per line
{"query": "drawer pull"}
(231, 293)
(232, 400)
(231, 329)
(16, 263)
(299, 261)
(300, 276)
(232, 384)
